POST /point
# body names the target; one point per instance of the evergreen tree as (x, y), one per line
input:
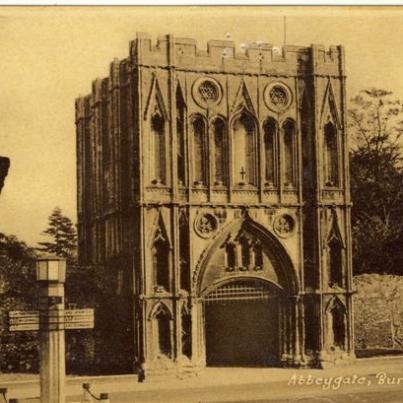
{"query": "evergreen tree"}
(63, 234)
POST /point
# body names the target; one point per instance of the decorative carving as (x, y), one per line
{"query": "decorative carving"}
(243, 253)
(277, 97)
(284, 225)
(270, 214)
(221, 214)
(206, 224)
(206, 92)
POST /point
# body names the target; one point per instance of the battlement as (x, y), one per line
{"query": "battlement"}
(219, 57)
(180, 51)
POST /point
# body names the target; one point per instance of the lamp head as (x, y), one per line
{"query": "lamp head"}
(51, 269)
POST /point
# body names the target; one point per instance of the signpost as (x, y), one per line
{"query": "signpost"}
(51, 320)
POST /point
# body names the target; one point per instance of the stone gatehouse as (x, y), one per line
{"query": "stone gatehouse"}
(214, 184)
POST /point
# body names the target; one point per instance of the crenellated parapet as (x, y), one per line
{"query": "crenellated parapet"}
(229, 57)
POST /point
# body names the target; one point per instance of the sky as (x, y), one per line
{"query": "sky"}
(49, 56)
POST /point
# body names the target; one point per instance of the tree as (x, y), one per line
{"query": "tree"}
(18, 350)
(63, 234)
(376, 128)
(378, 311)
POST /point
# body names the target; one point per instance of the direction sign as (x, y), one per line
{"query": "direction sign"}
(23, 320)
(79, 319)
(20, 321)
(79, 312)
(79, 325)
(24, 328)
(21, 314)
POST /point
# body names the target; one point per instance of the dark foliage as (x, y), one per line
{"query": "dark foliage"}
(375, 128)
(18, 351)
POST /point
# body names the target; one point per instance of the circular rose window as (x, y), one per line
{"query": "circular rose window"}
(277, 97)
(206, 92)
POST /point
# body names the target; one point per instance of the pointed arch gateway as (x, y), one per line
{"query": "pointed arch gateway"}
(245, 281)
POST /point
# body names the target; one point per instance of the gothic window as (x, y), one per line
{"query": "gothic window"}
(184, 254)
(244, 150)
(180, 130)
(161, 264)
(199, 151)
(230, 250)
(331, 166)
(306, 139)
(158, 141)
(186, 333)
(269, 155)
(335, 263)
(219, 157)
(163, 332)
(338, 325)
(289, 157)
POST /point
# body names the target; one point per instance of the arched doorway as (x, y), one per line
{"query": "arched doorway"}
(242, 324)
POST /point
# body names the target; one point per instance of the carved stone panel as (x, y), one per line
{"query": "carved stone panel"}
(284, 225)
(206, 225)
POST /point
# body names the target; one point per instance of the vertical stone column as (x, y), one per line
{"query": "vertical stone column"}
(302, 330)
(198, 343)
(52, 343)
(296, 340)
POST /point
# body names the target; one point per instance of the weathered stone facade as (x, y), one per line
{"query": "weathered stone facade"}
(215, 184)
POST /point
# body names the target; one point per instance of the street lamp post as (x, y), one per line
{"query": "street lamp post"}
(51, 275)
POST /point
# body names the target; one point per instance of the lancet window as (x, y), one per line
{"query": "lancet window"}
(331, 163)
(184, 254)
(162, 329)
(186, 333)
(270, 129)
(219, 151)
(159, 153)
(244, 130)
(199, 150)
(289, 152)
(180, 130)
(335, 263)
(338, 326)
(161, 253)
